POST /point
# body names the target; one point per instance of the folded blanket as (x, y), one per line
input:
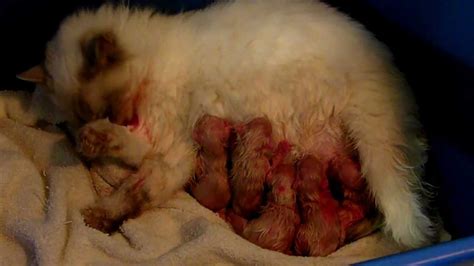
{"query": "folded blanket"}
(43, 186)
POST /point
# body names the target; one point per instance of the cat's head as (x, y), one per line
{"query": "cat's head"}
(92, 67)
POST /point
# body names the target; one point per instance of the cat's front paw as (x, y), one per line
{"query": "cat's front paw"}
(92, 142)
(98, 218)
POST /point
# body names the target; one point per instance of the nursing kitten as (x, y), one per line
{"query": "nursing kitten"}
(210, 185)
(318, 76)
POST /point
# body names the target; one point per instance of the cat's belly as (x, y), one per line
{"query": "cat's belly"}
(301, 117)
(244, 105)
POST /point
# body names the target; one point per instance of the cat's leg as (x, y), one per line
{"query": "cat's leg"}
(102, 138)
(380, 120)
(157, 179)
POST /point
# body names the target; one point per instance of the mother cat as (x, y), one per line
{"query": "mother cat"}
(318, 76)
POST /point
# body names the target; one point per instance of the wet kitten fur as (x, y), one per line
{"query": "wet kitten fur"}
(312, 71)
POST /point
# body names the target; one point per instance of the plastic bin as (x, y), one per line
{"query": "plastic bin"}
(432, 45)
(459, 251)
(432, 42)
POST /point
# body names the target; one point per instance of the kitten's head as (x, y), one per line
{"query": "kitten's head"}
(90, 68)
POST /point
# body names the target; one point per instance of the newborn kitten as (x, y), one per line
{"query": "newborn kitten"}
(250, 165)
(276, 226)
(211, 182)
(320, 230)
(314, 73)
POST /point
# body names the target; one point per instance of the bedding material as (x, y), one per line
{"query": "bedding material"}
(44, 185)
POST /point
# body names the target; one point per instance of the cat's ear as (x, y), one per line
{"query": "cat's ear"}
(35, 74)
(100, 52)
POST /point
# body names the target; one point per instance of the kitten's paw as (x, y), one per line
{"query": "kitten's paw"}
(98, 218)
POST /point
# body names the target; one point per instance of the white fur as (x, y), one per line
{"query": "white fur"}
(299, 62)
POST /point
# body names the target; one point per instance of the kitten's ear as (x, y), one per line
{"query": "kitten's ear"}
(100, 52)
(35, 74)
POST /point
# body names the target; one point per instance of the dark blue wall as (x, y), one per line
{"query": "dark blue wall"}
(447, 25)
(432, 43)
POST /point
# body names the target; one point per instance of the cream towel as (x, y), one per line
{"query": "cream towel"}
(43, 186)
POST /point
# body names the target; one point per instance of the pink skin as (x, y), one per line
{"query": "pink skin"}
(347, 172)
(250, 165)
(327, 223)
(280, 154)
(350, 214)
(320, 230)
(237, 222)
(356, 203)
(211, 184)
(276, 226)
(325, 220)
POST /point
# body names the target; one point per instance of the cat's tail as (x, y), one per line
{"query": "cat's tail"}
(380, 117)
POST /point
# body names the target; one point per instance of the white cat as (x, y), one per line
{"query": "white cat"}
(314, 73)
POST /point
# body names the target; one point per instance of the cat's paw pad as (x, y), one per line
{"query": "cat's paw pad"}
(98, 218)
